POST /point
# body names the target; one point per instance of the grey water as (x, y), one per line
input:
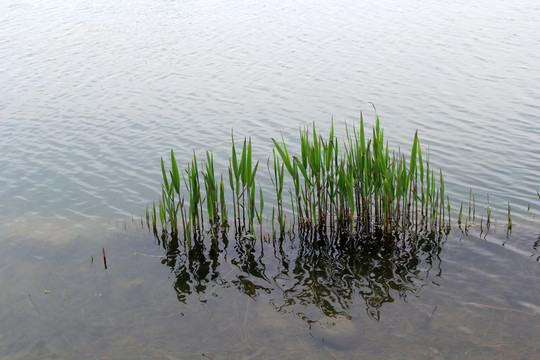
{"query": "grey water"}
(92, 94)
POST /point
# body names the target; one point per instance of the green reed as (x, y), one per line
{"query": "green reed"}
(363, 189)
(485, 226)
(277, 177)
(242, 182)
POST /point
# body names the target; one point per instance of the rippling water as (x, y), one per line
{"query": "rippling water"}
(94, 93)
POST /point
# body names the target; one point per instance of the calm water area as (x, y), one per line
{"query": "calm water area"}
(93, 93)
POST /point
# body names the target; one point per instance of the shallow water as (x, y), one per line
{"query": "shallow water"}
(94, 93)
(464, 297)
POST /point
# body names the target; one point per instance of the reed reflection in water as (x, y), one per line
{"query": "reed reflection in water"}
(307, 270)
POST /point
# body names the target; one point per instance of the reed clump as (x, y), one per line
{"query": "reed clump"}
(356, 188)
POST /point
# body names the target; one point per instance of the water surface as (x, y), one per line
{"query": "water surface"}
(457, 298)
(94, 93)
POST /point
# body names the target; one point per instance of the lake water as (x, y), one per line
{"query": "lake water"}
(92, 94)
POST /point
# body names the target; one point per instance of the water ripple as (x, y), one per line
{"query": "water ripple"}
(94, 93)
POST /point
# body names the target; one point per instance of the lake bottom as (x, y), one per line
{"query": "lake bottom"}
(469, 298)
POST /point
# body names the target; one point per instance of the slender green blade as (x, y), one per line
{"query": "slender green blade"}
(302, 170)
(420, 162)
(249, 175)
(243, 163)
(413, 154)
(175, 178)
(234, 158)
(253, 173)
(284, 156)
(164, 173)
(261, 201)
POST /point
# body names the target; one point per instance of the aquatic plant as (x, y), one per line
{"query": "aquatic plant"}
(356, 192)
(364, 190)
(465, 221)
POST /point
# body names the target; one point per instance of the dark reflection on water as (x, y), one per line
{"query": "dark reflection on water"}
(306, 270)
(536, 248)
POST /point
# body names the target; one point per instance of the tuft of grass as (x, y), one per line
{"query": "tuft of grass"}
(364, 189)
(351, 190)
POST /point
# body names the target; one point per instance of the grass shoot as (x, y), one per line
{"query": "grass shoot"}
(352, 189)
